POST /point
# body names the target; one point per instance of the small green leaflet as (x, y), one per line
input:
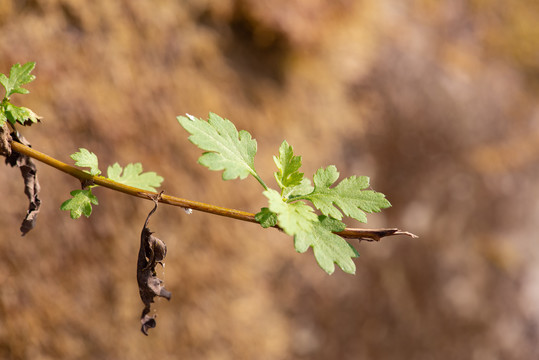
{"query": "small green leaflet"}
(289, 179)
(18, 76)
(294, 217)
(328, 248)
(288, 165)
(226, 148)
(80, 203)
(85, 158)
(297, 191)
(266, 218)
(133, 176)
(349, 195)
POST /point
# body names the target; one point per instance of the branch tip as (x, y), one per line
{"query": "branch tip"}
(372, 234)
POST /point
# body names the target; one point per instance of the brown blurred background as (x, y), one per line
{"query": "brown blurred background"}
(436, 101)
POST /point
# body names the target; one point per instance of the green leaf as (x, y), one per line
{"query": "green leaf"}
(18, 76)
(85, 158)
(226, 148)
(304, 188)
(80, 203)
(266, 218)
(288, 165)
(133, 176)
(294, 217)
(328, 248)
(21, 114)
(349, 195)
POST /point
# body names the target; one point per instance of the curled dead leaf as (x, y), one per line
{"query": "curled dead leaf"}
(5, 141)
(152, 252)
(31, 184)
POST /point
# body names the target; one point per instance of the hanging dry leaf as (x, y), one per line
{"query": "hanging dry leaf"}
(31, 184)
(5, 141)
(152, 252)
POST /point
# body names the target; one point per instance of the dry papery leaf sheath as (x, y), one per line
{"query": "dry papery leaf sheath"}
(348, 233)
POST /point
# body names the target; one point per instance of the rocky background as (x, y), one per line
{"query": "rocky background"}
(436, 101)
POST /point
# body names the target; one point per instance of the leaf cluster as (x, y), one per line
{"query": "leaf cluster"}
(81, 201)
(152, 250)
(19, 75)
(311, 213)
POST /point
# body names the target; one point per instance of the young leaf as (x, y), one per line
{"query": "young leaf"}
(349, 195)
(288, 165)
(266, 218)
(226, 148)
(294, 217)
(21, 114)
(302, 189)
(133, 176)
(80, 203)
(328, 247)
(85, 158)
(18, 76)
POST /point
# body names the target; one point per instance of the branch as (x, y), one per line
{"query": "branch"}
(86, 178)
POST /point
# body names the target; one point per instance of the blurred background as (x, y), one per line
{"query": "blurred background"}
(436, 101)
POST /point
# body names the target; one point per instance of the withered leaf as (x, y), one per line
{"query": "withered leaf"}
(31, 184)
(5, 141)
(152, 252)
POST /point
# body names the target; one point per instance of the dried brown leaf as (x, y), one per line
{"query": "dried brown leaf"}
(5, 141)
(31, 184)
(152, 252)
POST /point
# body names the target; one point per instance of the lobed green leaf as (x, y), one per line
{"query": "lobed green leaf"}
(85, 158)
(226, 148)
(18, 76)
(80, 203)
(328, 248)
(133, 176)
(288, 165)
(349, 195)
